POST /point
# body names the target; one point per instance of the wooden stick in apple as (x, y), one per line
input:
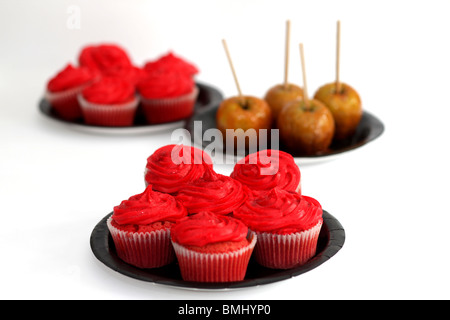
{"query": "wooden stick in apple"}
(306, 126)
(232, 67)
(305, 88)
(286, 53)
(342, 100)
(281, 93)
(338, 52)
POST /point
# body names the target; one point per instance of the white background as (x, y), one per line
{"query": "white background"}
(390, 196)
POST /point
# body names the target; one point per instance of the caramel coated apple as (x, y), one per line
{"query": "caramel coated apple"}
(244, 112)
(345, 106)
(279, 95)
(306, 127)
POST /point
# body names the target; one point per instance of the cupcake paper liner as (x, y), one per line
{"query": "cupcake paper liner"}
(119, 115)
(214, 267)
(285, 251)
(143, 249)
(65, 103)
(169, 109)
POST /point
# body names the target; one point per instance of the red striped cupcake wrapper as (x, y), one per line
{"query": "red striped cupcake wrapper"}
(118, 115)
(143, 249)
(285, 251)
(169, 109)
(214, 267)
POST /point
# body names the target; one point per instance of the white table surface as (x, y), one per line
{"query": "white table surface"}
(390, 196)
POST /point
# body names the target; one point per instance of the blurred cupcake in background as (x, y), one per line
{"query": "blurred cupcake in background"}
(168, 92)
(109, 102)
(62, 90)
(104, 56)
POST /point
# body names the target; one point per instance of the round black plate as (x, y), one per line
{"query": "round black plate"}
(331, 240)
(208, 97)
(369, 128)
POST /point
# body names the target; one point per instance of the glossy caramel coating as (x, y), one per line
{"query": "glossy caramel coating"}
(345, 106)
(279, 95)
(306, 127)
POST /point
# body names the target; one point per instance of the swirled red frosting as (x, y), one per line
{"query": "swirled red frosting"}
(132, 74)
(171, 167)
(205, 228)
(147, 208)
(268, 169)
(104, 56)
(279, 211)
(110, 90)
(165, 85)
(70, 77)
(171, 63)
(213, 192)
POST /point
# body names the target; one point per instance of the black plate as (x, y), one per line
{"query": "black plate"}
(208, 98)
(331, 240)
(369, 128)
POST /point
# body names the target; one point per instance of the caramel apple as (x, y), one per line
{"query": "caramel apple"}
(279, 95)
(345, 105)
(306, 127)
(243, 112)
(342, 100)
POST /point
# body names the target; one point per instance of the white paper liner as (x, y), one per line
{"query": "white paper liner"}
(143, 249)
(285, 251)
(214, 267)
(108, 115)
(169, 109)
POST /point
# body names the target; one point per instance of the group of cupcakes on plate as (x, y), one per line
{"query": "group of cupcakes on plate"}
(212, 224)
(105, 88)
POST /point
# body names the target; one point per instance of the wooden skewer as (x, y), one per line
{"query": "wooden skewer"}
(286, 53)
(305, 88)
(338, 49)
(232, 67)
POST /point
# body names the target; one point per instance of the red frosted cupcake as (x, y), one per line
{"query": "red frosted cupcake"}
(168, 92)
(63, 88)
(268, 169)
(109, 102)
(104, 56)
(172, 167)
(171, 63)
(211, 248)
(140, 228)
(214, 193)
(287, 225)
(132, 74)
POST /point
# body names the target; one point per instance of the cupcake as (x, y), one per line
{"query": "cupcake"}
(109, 102)
(171, 63)
(172, 167)
(168, 92)
(132, 74)
(211, 248)
(213, 192)
(287, 226)
(104, 56)
(140, 228)
(268, 169)
(62, 90)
